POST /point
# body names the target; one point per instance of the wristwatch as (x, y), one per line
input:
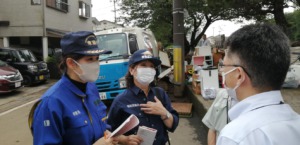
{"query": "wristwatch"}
(168, 115)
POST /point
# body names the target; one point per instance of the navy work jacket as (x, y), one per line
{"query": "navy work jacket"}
(129, 102)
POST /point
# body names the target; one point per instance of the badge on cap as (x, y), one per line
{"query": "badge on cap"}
(147, 54)
(90, 40)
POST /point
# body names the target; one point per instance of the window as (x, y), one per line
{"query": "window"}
(35, 2)
(84, 10)
(61, 5)
(117, 43)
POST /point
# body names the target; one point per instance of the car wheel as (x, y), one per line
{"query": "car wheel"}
(27, 80)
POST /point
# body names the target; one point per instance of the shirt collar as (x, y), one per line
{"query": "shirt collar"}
(136, 90)
(67, 82)
(255, 102)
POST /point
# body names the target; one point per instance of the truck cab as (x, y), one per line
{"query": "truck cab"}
(123, 42)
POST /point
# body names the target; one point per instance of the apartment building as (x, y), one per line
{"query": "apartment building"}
(104, 25)
(39, 24)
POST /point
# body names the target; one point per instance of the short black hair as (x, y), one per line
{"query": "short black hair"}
(263, 50)
(63, 65)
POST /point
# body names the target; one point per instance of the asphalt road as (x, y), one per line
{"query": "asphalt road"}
(14, 110)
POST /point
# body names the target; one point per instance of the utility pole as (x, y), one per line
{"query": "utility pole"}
(115, 11)
(178, 50)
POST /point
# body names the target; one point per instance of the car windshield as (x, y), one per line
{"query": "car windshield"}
(24, 56)
(117, 43)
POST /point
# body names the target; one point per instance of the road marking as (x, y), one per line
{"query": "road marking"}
(13, 109)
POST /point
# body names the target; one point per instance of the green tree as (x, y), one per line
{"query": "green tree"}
(294, 24)
(261, 9)
(154, 15)
(294, 21)
(157, 15)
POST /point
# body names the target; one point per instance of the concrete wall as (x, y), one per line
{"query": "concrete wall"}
(69, 21)
(27, 20)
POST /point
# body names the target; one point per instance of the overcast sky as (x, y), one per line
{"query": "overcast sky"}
(103, 10)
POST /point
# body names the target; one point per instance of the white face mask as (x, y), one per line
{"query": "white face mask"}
(145, 75)
(90, 71)
(231, 91)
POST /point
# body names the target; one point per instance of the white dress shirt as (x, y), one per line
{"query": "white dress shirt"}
(262, 120)
(203, 42)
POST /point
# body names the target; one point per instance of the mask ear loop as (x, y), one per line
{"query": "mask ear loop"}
(243, 74)
(70, 64)
(78, 65)
(242, 77)
(225, 73)
(76, 62)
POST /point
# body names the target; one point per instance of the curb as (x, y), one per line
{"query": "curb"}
(200, 105)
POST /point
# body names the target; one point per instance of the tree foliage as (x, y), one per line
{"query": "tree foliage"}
(261, 9)
(149, 14)
(294, 20)
(157, 15)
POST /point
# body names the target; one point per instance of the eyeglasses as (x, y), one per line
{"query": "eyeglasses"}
(221, 65)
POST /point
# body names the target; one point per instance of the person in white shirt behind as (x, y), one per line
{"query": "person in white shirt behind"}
(256, 61)
(204, 41)
(216, 116)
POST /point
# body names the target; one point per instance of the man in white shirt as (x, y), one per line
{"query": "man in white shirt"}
(256, 62)
(216, 116)
(204, 41)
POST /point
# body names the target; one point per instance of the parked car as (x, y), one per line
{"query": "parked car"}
(38, 52)
(10, 78)
(32, 70)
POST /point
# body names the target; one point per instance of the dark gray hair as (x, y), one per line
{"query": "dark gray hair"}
(263, 50)
(63, 66)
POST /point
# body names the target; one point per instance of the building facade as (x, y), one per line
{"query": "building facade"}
(39, 24)
(104, 25)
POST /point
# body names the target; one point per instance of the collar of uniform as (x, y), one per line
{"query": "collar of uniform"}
(72, 87)
(222, 93)
(255, 102)
(136, 90)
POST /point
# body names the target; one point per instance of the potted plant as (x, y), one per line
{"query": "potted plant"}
(53, 67)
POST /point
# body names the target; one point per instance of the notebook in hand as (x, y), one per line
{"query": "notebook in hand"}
(148, 134)
(131, 122)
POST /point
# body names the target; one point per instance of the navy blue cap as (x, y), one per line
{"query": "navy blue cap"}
(81, 42)
(142, 55)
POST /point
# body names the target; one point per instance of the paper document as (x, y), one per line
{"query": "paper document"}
(131, 122)
(148, 135)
